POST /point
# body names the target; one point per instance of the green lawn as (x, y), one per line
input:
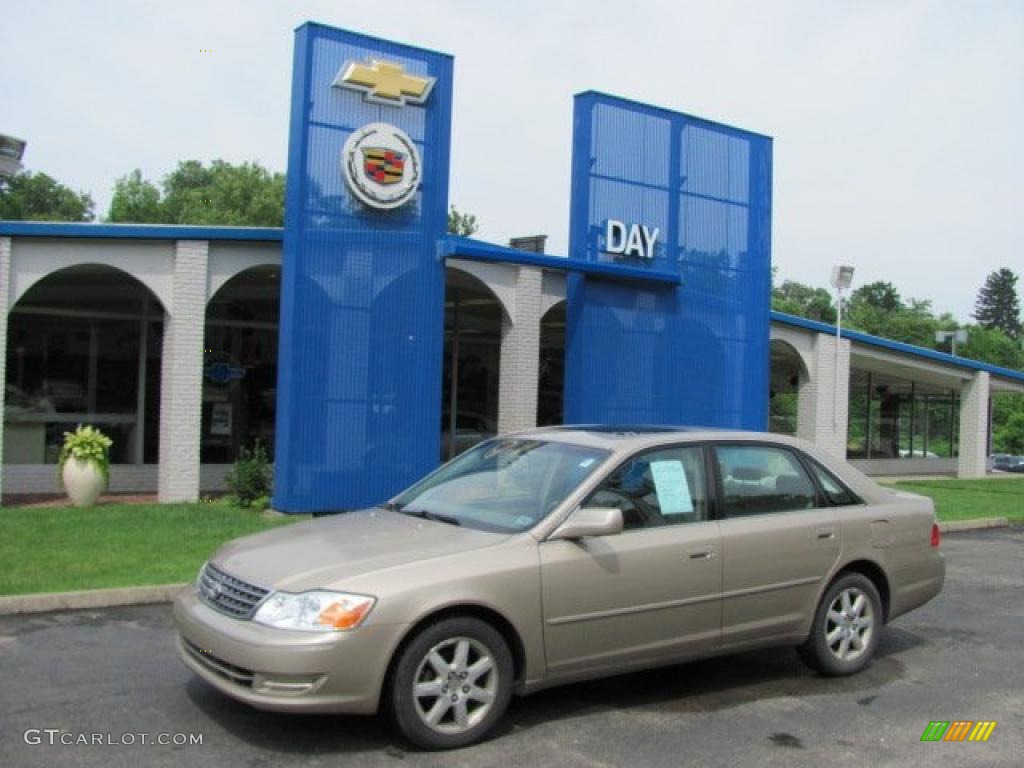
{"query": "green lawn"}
(970, 499)
(53, 549)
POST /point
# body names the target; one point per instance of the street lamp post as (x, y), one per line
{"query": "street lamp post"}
(842, 278)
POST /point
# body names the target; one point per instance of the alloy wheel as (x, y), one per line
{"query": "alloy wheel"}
(849, 624)
(455, 685)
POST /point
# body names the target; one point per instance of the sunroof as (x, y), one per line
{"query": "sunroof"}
(623, 429)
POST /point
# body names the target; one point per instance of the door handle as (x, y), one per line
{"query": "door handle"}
(702, 554)
(826, 533)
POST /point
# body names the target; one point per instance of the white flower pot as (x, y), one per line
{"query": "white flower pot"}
(83, 481)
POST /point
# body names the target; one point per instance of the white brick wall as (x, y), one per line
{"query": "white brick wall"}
(181, 383)
(974, 395)
(520, 354)
(5, 294)
(818, 419)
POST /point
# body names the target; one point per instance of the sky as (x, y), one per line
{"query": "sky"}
(898, 126)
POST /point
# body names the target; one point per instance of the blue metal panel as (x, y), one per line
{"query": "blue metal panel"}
(138, 231)
(693, 354)
(362, 295)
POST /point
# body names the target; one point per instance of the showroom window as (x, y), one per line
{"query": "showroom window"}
(894, 418)
(551, 371)
(472, 356)
(83, 347)
(240, 366)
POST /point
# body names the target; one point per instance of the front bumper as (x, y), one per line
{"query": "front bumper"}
(282, 670)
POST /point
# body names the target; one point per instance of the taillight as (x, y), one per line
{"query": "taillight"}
(936, 536)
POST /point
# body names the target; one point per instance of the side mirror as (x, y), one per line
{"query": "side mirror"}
(589, 521)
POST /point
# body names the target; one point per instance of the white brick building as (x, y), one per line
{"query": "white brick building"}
(166, 338)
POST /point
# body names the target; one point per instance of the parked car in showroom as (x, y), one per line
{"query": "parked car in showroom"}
(557, 555)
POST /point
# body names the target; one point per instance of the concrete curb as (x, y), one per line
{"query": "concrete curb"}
(974, 525)
(90, 598)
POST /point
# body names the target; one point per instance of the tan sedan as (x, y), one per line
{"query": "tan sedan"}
(556, 555)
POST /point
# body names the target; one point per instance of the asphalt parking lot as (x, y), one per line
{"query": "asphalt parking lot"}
(959, 658)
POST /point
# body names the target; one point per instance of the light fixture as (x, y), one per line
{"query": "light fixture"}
(11, 152)
(842, 277)
(954, 337)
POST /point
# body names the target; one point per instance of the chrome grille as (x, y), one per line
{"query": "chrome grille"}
(238, 675)
(227, 594)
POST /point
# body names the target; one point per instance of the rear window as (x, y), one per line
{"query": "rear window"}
(837, 493)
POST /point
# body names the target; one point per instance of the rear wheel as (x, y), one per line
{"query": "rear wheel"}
(846, 627)
(452, 683)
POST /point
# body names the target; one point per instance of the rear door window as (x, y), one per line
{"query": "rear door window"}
(762, 479)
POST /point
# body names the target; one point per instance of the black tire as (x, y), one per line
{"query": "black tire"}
(415, 666)
(846, 628)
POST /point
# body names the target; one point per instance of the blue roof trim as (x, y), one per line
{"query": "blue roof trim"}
(138, 231)
(477, 250)
(898, 346)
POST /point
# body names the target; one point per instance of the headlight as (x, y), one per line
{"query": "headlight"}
(314, 611)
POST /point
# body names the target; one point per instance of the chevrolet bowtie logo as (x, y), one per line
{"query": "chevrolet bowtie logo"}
(384, 82)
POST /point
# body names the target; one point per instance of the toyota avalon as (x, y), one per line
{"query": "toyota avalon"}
(556, 555)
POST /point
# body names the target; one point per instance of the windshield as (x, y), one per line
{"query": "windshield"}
(504, 485)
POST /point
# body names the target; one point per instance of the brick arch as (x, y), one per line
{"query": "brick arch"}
(228, 261)
(499, 279)
(152, 265)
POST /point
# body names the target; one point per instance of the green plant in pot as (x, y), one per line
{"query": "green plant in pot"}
(84, 465)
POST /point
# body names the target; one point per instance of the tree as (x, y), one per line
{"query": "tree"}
(461, 223)
(222, 193)
(37, 197)
(245, 194)
(992, 346)
(1008, 424)
(878, 309)
(997, 305)
(880, 295)
(804, 301)
(135, 200)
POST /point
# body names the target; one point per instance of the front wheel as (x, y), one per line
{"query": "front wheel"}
(846, 627)
(452, 684)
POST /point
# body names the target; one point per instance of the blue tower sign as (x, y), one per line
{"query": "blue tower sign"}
(667, 192)
(362, 295)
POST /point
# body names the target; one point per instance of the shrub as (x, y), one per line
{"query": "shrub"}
(89, 444)
(250, 479)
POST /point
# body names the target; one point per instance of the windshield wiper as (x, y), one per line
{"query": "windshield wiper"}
(422, 513)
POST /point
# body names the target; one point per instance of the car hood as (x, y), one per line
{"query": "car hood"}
(323, 553)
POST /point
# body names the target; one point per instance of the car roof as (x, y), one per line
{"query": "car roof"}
(629, 437)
